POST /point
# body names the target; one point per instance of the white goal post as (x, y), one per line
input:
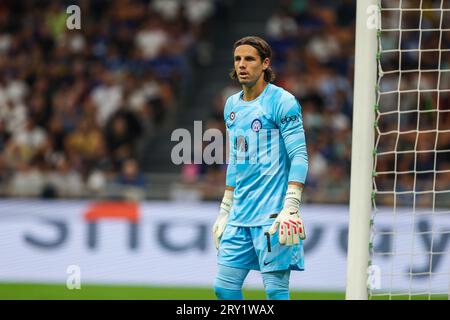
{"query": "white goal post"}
(362, 146)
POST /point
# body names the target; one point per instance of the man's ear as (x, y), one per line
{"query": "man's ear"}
(266, 63)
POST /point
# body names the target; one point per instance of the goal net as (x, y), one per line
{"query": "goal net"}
(410, 223)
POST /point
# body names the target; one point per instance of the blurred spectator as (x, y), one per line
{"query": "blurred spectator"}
(107, 97)
(131, 176)
(28, 181)
(96, 182)
(168, 9)
(13, 115)
(121, 135)
(84, 147)
(63, 182)
(131, 181)
(281, 25)
(29, 140)
(152, 38)
(197, 11)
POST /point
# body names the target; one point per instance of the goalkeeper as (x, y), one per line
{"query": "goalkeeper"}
(259, 225)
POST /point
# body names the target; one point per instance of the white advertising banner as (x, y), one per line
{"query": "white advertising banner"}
(170, 244)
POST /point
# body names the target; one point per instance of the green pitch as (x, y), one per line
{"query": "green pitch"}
(38, 291)
(24, 291)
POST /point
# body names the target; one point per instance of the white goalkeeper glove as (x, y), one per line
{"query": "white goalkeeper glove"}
(221, 221)
(288, 223)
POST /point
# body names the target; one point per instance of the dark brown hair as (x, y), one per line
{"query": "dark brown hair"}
(264, 52)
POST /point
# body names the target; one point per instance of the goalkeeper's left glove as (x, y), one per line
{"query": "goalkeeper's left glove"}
(288, 223)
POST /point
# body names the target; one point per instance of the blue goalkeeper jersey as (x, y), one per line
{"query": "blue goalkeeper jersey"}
(267, 149)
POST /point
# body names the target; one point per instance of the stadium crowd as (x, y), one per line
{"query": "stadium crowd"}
(76, 106)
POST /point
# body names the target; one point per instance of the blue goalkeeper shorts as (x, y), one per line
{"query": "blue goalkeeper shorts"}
(250, 248)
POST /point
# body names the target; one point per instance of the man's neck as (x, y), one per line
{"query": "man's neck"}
(251, 93)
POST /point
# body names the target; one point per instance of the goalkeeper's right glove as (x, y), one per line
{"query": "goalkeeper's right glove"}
(221, 221)
(290, 227)
(288, 223)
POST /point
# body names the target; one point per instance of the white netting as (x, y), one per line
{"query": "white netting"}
(410, 234)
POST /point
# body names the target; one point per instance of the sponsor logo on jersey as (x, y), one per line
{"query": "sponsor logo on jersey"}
(287, 119)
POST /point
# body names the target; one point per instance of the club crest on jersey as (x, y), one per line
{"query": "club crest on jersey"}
(232, 116)
(256, 125)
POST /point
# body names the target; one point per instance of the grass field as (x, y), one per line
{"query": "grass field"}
(26, 291)
(39, 291)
